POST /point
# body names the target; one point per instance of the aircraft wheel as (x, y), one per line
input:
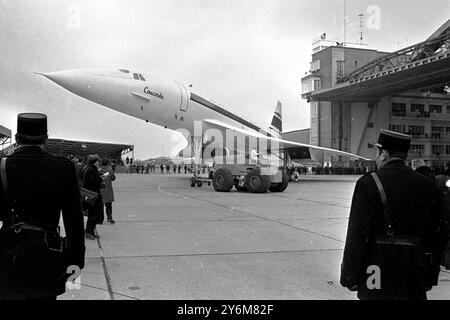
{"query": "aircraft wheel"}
(193, 182)
(256, 182)
(223, 180)
(280, 186)
(199, 184)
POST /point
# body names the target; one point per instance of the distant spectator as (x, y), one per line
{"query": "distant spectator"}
(107, 174)
(78, 167)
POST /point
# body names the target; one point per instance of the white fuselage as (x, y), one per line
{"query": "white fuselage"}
(166, 103)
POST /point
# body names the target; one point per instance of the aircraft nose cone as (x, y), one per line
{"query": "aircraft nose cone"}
(76, 81)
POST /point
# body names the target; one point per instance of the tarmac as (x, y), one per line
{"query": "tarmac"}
(173, 241)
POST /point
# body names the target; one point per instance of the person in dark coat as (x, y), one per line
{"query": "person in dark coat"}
(108, 176)
(40, 187)
(415, 206)
(443, 182)
(78, 167)
(92, 181)
(419, 166)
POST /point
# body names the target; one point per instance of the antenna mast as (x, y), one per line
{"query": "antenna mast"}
(361, 27)
(345, 26)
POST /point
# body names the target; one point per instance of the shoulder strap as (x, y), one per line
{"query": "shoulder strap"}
(387, 213)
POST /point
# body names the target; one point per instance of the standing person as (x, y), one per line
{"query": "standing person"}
(78, 167)
(127, 165)
(92, 181)
(385, 244)
(419, 166)
(38, 187)
(161, 167)
(107, 174)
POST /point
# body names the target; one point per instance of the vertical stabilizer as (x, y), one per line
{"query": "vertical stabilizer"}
(277, 120)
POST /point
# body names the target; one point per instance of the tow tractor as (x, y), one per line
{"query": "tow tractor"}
(256, 177)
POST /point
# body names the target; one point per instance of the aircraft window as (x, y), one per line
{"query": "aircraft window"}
(135, 76)
(124, 70)
(141, 77)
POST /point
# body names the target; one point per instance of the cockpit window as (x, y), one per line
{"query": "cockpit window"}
(135, 76)
(141, 77)
(124, 70)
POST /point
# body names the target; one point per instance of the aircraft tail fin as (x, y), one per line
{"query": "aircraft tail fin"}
(277, 120)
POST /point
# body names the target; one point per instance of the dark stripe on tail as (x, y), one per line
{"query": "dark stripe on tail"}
(276, 123)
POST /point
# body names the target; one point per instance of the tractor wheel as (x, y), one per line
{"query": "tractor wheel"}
(223, 180)
(280, 186)
(256, 182)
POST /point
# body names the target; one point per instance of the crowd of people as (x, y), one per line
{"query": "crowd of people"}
(148, 168)
(295, 170)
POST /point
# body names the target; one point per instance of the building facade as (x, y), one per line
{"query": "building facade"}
(353, 126)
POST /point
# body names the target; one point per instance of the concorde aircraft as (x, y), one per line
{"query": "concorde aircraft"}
(172, 105)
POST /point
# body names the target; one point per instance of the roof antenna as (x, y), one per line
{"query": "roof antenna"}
(345, 26)
(361, 27)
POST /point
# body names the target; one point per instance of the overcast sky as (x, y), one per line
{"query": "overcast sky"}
(244, 54)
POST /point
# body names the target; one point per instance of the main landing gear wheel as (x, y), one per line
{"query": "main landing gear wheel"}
(280, 186)
(256, 182)
(223, 180)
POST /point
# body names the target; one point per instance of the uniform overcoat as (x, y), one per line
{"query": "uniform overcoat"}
(41, 186)
(416, 211)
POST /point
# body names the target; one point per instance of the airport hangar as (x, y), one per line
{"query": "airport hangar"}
(355, 92)
(5, 137)
(67, 148)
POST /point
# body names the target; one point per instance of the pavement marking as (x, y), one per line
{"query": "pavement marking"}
(255, 215)
(308, 200)
(105, 270)
(101, 289)
(215, 254)
(224, 220)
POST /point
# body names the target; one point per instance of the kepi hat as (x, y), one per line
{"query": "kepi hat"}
(393, 141)
(32, 126)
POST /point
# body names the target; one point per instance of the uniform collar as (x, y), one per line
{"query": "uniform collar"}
(394, 163)
(29, 149)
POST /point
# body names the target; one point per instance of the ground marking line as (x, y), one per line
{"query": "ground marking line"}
(216, 254)
(264, 218)
(105, 269)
